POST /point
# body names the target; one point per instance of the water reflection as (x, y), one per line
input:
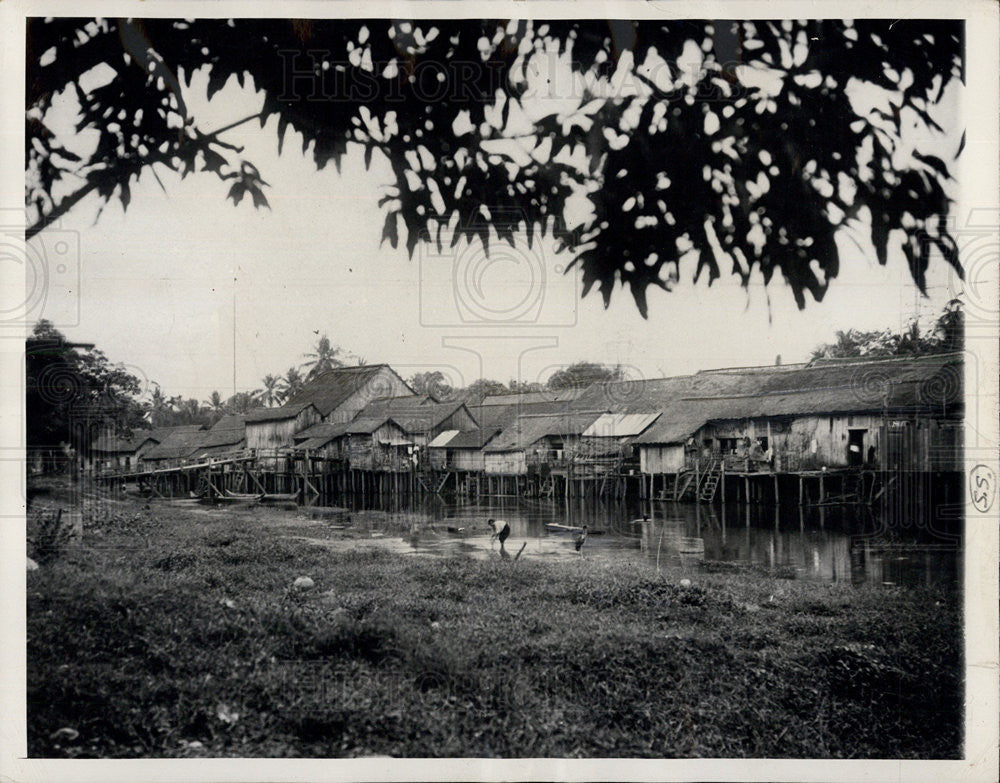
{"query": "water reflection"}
(836, 544)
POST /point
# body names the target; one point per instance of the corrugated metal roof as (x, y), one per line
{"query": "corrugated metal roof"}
(502, 416)
(530, 398)
(620, 425)
(442, 439)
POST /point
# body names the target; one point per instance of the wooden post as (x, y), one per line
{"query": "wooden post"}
(777, 499)
(800, 490)
(822, 492)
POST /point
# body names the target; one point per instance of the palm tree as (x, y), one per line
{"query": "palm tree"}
(216, 403)
(192, 411)
(324, 357)
(292, 383)
(242, 402)
(158, 407)
(271, 393)
(217, 406)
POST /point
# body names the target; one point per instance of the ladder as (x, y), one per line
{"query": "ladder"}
(710, 482)
(547, 488)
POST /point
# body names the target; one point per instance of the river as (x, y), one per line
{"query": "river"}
(833, 544)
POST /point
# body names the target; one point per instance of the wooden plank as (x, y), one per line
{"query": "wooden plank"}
(255, 479)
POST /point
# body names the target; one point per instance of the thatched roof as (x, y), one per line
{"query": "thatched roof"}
(501, 416)
(415, 418)
(286, 411)
(112, 443)
(331, 389)
(323, 429)
(468, 439)
(904, 385)
(529, 398)
(228, 431)
(179, 442)
(530, 429)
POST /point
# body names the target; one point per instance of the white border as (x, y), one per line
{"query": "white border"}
(980, 188)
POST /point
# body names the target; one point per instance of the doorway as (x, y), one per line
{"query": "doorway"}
(856, 447)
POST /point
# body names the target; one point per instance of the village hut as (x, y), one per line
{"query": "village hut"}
(324, 440)
(461, 450)
(335, 396)
(536, 440)
(378, 443)
(422, 418)
(610, 439)
(113, 451)
(174, 446)
(274, 428)
(341, 393)
(227, 436)
(901, 412)
(497, 412)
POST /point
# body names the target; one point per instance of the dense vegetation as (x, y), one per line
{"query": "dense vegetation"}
(946, 335)
(162, 635)
(73, 391)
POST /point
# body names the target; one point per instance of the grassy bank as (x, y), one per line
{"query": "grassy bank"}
(178, 633)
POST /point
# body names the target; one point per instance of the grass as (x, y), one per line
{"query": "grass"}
(175, 633)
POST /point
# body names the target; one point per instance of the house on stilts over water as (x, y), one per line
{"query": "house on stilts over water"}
(826, 431)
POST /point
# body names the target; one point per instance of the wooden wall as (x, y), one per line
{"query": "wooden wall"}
(507, 463)
(467, 459)
(659, 458)
(803, 443)
(385, 383)
(272, 434)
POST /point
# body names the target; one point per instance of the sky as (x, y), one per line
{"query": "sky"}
(197, 295)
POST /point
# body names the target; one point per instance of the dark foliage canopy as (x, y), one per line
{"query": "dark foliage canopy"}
(735, 142)
(73, 393)
(946, 336)
(583, 374)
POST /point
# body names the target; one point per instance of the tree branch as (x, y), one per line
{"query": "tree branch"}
(59, 210)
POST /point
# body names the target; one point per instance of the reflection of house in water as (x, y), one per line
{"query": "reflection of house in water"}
(822, 544)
